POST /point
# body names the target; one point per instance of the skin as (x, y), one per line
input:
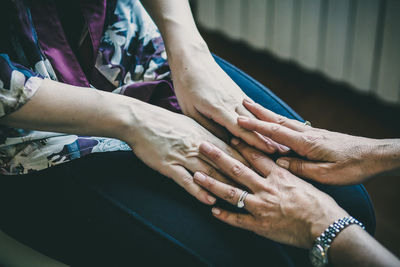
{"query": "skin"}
(327, 157)
(204, 91)
(287, 209)
(281, 206)
(166, 141)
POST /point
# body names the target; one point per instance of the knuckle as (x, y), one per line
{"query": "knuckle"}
(187, 180)
(281, 120)
(298, 166)
(264, 188)
(255, 156)
(275, 128)
(237, 170)
(230, 194)
(261, 211)
(309, 142)
(216, 154)
(238, 220)
(309, 139)
(211, 183)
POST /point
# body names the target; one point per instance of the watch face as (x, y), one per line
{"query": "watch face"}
(317, 256)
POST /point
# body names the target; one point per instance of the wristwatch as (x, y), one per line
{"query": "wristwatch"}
(319, 252)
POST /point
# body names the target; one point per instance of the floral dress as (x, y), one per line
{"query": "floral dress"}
(107, 45)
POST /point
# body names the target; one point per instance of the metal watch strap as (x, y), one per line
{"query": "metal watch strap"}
(327, 237)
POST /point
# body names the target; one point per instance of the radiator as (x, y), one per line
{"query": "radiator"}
(351, 41)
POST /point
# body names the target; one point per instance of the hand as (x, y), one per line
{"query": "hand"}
(281, 206)
(328, 157)
(208, 95)
(168, 142)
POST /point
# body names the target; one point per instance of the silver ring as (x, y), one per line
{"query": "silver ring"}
(307, 123)
(242, 198)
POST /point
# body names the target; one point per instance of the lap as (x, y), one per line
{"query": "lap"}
(111, 209)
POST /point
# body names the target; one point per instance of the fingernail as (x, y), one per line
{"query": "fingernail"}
(235, 141)
(211, 199)
(216, 211)
(248, 101)
(206, 147)
(283, 163)
(243, 119)
(199, 177)
(284, 148)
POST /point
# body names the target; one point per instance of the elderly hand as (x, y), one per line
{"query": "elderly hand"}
(281, 206)
(208, 95)
(328, 157)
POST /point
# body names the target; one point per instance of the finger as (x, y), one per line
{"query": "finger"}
(307, 169)
(257, 140)
(213, 127)
(258, 160)
(276, 132)
(241, 110)
(182, 177)
(198, 165)
(229, 121)
(227, 149)
(231, 167)
(222, 190)
(244, 221)
(267, 115)
(271, 143)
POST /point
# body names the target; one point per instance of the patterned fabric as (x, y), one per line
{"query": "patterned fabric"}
(119, 50)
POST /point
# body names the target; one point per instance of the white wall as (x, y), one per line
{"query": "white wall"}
(352, 41)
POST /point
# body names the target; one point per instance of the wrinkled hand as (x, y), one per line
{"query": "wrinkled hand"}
(168, 142)
(281, 206)
(328, 157)
(208, 95)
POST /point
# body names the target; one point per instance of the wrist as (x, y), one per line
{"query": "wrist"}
(188, 54)
(384, 156)
(120, 116)
(324, 219)
(139, 119)
(320, 252)
(185, 47)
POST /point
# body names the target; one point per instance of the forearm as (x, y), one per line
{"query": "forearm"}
(384, 156)
(178, 29)
(59, 107)
(355, 247)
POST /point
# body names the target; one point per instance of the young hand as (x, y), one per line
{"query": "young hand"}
(204, 91)
(208, 95)
(168, 142)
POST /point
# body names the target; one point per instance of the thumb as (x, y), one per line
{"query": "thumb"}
(303, 168)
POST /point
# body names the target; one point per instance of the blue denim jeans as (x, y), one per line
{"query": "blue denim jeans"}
(110, 209)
